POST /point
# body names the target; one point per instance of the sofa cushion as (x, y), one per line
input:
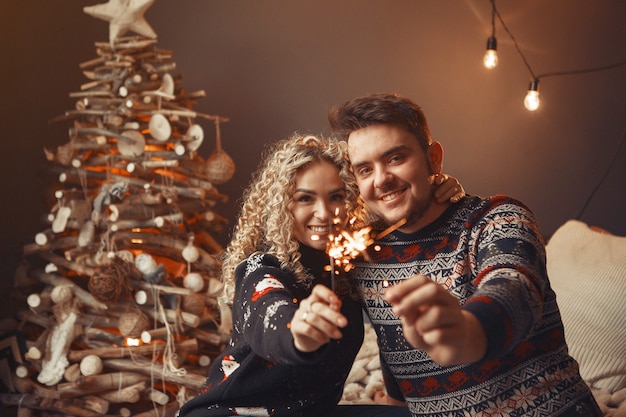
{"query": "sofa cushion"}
(587, 270)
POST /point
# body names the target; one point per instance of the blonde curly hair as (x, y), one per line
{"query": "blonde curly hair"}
(265, 222)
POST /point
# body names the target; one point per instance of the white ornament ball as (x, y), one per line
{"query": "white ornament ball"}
(91, 365)
(61, 294)
(191, 254)
(193, 281)
(145, 263)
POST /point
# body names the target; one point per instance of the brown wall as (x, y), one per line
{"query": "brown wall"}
(276, 66)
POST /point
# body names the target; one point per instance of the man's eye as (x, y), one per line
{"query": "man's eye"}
(364, 171)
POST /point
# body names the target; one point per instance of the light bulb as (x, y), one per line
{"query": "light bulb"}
(531, 101)
(490, 60)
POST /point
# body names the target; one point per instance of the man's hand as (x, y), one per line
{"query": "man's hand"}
(433, 321)
(317, 320)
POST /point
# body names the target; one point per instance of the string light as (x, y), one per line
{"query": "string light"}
(531, 100)
(490, 59)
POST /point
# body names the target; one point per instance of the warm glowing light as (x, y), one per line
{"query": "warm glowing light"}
(490, 59)
(345, 245)
(531, 101)
(131, 341)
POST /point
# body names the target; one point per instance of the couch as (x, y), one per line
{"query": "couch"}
(587, 270)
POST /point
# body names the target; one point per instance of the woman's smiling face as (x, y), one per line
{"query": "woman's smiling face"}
(319, 196)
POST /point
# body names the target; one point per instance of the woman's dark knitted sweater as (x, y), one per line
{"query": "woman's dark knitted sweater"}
(261, 373)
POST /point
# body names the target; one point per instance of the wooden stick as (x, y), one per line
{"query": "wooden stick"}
(167, 245)
(125, 351)
(168, 410)
(102, 335)
(26, 385)
(173, 316)
(212, 338)
(57, 280)
(99, 383)
(157, 370)
(390, 229)
(76, 407)
(129, 394)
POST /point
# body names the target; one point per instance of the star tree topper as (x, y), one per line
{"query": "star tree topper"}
(123, 15)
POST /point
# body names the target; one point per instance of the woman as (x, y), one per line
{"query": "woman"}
(294, 340)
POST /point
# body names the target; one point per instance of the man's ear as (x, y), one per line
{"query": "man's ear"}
(435, 157)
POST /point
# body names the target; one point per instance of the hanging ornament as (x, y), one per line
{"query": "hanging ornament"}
(190, 252)
(194, 137)
(193, 281)
(160, 127)
(131, 143)
(219, 166)
(167, 85)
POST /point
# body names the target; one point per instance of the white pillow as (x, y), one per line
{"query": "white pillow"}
(587, 270)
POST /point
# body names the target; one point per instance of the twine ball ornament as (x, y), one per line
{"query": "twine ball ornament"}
(194, 304)
(107, 284)
(132, 324)
(91, 365)
(193, 281)
(219, 167)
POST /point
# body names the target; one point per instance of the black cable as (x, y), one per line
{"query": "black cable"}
(513, 39)
(583, 71)
(606, 173)
(493, 18)
(519, 51)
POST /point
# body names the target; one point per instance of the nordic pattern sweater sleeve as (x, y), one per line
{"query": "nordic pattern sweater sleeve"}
(489, 254)
(508, 271)
(266, 299)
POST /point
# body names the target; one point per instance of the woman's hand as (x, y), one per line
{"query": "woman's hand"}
(447, 189)
(317, 320)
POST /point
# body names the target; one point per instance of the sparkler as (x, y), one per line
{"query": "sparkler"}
(345, 244)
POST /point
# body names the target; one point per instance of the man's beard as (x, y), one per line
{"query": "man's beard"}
(415, 212)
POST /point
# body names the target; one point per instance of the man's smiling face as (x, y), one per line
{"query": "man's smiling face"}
(394, 174)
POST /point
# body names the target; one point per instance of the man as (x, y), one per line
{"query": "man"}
(466, 320)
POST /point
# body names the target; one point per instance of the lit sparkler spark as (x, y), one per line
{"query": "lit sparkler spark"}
(345, 245)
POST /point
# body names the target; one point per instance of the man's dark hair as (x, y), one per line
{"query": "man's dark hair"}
(384, 108)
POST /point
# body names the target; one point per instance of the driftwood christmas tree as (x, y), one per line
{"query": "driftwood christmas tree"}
(121, 290)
